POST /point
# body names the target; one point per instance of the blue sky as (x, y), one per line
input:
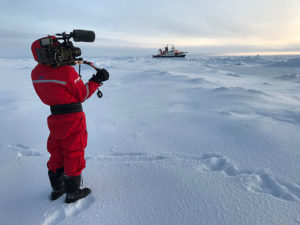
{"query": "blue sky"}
(141, 27)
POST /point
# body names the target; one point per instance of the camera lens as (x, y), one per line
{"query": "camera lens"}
(76, 51)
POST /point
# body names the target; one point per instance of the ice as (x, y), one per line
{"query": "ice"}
(200, 140)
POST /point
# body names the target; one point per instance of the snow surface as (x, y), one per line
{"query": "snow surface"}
(201, 140)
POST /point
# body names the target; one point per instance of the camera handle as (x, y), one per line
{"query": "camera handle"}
(99, 93)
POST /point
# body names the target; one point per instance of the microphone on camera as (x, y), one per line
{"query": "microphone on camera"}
(83, 35)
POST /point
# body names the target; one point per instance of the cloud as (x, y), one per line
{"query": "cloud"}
(149, 24)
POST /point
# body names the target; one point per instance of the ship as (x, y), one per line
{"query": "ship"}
(169, 53)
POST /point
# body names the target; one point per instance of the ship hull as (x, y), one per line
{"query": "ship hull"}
(169, 56)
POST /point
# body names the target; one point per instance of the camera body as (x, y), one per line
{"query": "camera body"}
(55, 53)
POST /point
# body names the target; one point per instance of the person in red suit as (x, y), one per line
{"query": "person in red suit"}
(63, 90)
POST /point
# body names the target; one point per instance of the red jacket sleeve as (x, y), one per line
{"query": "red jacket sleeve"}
(77, 88)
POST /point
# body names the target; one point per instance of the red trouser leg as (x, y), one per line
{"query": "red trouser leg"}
(73, 149)
(56, 157)
(69, 133)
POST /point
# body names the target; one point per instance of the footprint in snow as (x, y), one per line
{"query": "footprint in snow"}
(132, 156)
(215, 162)
(24, 150)
(56, 214)
(252, 180)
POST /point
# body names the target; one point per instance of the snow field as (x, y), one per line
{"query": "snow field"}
(202, 140)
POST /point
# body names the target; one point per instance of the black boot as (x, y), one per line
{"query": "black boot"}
(57, 183)
(73, 190)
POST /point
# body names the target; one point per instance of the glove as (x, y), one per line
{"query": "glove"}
(101, 75)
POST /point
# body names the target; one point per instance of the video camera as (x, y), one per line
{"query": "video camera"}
(55, 53)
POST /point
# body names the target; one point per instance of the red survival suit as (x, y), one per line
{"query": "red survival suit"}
(68, 135)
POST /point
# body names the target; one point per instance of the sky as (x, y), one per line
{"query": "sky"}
(140, 27)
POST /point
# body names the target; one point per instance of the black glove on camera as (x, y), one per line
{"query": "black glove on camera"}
(101, 75)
